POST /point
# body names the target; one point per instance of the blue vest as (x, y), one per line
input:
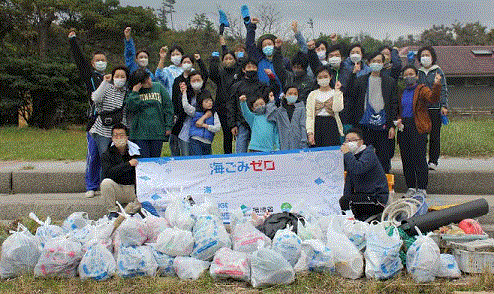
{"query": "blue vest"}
(201, 132)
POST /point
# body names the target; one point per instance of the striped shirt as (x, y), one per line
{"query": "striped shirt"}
(107, 98)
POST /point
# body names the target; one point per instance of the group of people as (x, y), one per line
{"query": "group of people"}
(326, 95)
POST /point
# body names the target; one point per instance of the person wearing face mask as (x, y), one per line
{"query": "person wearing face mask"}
(427, 58)
(167, 75)
(135, 60)
(264, 136)
(298, 74)
(91, 74)
(334, 61)
(356, 57)
(290, 118)
(249, 86)
(366, 187)
(323, 123)
(373, 106)
(392, 62)
(414, 123)
(118, 164)
(152, 109)
(179, 141)
(109, 99)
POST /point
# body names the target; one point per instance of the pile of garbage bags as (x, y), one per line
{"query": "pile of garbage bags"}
(191, 240)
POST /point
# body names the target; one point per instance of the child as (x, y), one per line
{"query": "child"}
(290, 119)
(264, 135)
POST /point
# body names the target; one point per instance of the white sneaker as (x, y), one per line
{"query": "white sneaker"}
(409, 193)
(432, 166)
(89, 194)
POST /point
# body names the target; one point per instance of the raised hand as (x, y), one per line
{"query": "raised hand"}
(197, 56)
(72, 34)
(163, 52)
(254, 20)
(107, 78)
(337, 86)
(127, 32)
(295, 26)
(242, 98)
(183, 87)
(311, 45)
(437, 79)
(278, 43)
(333, 37)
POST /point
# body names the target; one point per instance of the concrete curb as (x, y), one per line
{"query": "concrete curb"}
(47, 182)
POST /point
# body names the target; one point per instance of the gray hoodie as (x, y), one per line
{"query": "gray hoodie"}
(292, 133)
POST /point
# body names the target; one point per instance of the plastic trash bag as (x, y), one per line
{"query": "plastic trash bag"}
(133, 261)
(230, 264)
(154, 225)
(83, 235)
(288, 244)
(132, 231)
(97, 263)
(76, 220)
(210, 235)
(46, 230)
(175, 242)
(423, 259)
(59, 258)
(268, 267)
(382, 258)
(355, 231)
(309, 231)
(246, 237)
(165, 263)
(189, 268)
(102, 234)
(349, 262)
(178, 213)
(20, 253)
(315, 257)
(208, 207)
(279, 221)
(449, 267)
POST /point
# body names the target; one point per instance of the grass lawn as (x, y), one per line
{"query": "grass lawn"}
(463, 137)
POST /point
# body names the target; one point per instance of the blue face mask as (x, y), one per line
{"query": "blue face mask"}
(291, 99)
(268, 50)
(240, 54)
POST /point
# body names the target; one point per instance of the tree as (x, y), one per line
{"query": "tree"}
(438, 35)
(202, 22)
(166, 11)
(269, 19)
(470, 33)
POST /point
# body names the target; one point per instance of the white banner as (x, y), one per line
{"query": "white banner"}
(261, 181)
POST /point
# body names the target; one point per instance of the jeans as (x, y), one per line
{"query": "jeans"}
(243, 139)
(178, 147)
(102, 143)
(93, 166)
(199, 148)
(150, 148)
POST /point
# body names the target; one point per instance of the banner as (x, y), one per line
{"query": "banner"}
(262, 181)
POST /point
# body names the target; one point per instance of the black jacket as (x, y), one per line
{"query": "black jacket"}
(116, 166)
(356, 92)
(224, 80)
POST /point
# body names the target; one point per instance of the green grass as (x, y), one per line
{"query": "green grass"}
(463, 137)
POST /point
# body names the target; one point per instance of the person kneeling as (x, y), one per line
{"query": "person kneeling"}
(366, 187)
(118, 164)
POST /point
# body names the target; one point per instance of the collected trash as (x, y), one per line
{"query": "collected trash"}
(175, 242)
(230, 264)
(20, 253)
(189, 268)
(60, 258)
(288, 244)
(270, 268)
(423, 259)
(97, 263)
(382, 258)
(135, 261)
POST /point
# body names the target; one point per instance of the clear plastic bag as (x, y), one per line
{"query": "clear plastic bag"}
(133, 261)
(175, 242)
(178, 213)
(165, 263)
(132, 231)
(316, 257)
(230, 264)
(189, 268)
(449, 267)
(288, 244)
(46, 231)
(309, 231)
(20, 253)
(268, 267)
(382, 258)
(76, 220)
(423, 259)
(210, 235)
(246, 238)
(59, 258)
(349, 262)
(155, 225)
(97, 263)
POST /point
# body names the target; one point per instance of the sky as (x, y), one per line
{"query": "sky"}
(379, 18)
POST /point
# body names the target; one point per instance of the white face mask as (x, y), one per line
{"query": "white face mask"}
(143, 62)
(119, 143)
(323, 82)
(375, 67)
(334, 61)
(426, 61)
(321, 55)
(352, 146)
(176, 59)
(196, 85)
(119, 83)
(355, 58)
(187, 66)
(100, 66)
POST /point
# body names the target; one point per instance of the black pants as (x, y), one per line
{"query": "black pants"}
(435, 135)
(363, 206)
(326, 131)
(412, 149)
(227, 132)
(379, 139)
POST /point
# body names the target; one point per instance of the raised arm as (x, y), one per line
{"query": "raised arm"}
(202, 67)
(396, 64)
(302, 44)
(188, 108)
(279, 69)
(98, 95)
(129, 51)
(250, 41)
(248, 115)
(83, 65)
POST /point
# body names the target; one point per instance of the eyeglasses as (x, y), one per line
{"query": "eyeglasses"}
(119, 136)
(352, 140)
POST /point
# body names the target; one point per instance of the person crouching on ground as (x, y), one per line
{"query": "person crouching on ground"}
(366, 187)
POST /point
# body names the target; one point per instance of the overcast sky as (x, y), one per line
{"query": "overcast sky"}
(380, 18)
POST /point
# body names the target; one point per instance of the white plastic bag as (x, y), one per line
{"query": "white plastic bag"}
(189, 268)
(76, 220)
(82, 235)
(268, 267)
(309, 231)
(316, 257)
(246, 238)
(423, 259)
(209, 235)
(356, 232)
(20, 253)
(208, 207)
(449, 267)
(382, 259)
(59, 258)
(135, 261)
(132, 231)
(46, 230)
(97, 263)
(288, 244)
(102, 234)
(178, 213)
(175, 242)
(349, 262)
(165, 263)
(155, 225)
(230, 264)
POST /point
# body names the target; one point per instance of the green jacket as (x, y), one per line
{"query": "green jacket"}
(152, 112)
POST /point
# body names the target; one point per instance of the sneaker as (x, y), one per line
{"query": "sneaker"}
(89, 194)
(409, 193)
(113, 215)
(223, 19)
(245, 14)
(432, 166)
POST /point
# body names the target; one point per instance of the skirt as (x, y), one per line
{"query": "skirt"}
(326, 131)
